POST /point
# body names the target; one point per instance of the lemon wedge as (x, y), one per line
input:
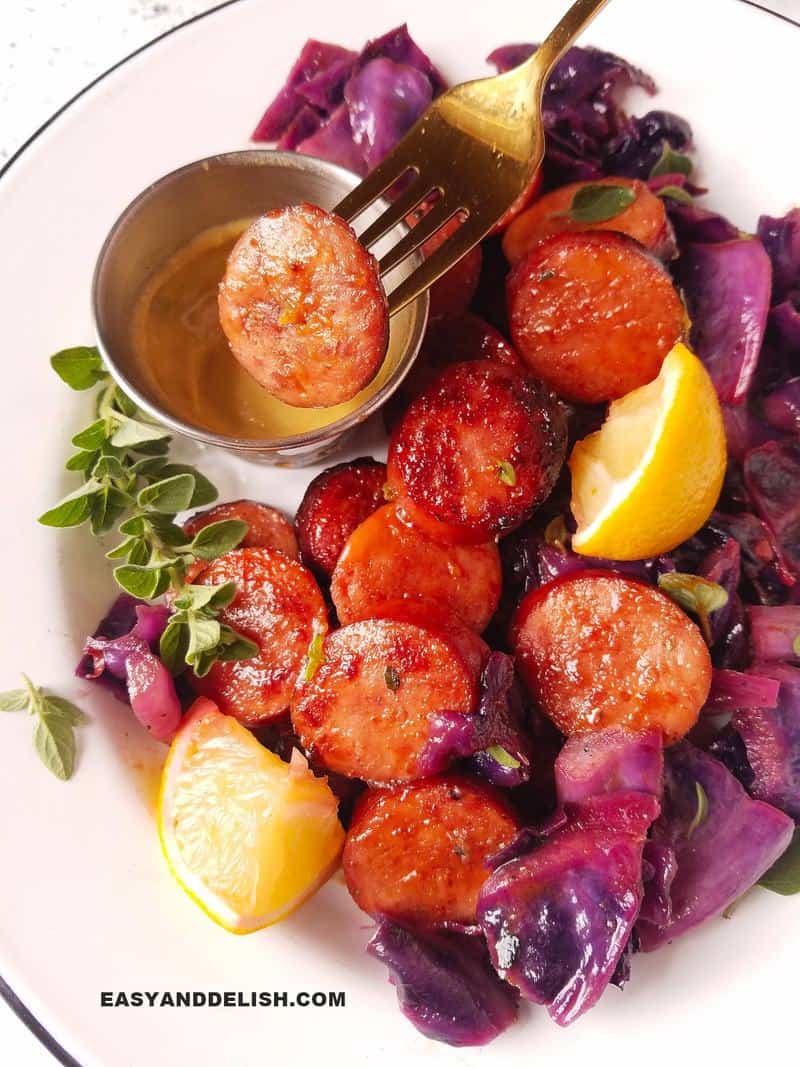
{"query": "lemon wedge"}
(246, 835)
(651, 475)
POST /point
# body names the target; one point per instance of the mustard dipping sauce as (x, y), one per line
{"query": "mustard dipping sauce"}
(186, 360)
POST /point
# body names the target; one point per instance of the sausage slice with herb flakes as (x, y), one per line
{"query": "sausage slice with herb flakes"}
(303, 307)
(279, 606)
(363, 708)
(419, 853)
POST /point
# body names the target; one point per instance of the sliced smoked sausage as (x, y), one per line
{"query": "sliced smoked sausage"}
(593, 314)
(303, 307)
(420, 852)
(278, 606)
(364, 710)
(596, 649)
(386, 558)
(478, 451)
(336, 502)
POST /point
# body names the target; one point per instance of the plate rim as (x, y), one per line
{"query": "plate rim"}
(17, 1006)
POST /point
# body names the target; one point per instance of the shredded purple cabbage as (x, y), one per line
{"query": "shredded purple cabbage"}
(493, 737)
(722, 842)
(612, 760)
(781, 238)
(775, 632)
(446, 985)
(316, 57)
(772, 476)
(122, 656)
(557, 920)
(727, 288)
(693, 223)
(352, 108)
(771, 735)
(741, 689)
(781, 407)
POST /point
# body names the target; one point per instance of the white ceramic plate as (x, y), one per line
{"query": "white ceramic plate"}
(86, 904)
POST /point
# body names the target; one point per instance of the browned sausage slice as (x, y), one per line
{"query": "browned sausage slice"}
(479, 450)
(593, 314)
(280, 607)
(448, 340)
(645, 218)
(596, 649)
(303, 307)
(386, 558)
(365, 711)
(419, 852)
(267, 527)
(335, 503)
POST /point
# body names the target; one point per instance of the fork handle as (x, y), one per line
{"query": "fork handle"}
(572, 24)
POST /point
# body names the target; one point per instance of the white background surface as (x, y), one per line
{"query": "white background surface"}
(49, 49)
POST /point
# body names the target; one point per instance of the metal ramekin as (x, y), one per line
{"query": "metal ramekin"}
(173, 211)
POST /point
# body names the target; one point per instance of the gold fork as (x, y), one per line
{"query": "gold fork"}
(476, 149)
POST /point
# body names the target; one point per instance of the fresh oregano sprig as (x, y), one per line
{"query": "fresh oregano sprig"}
(54, 730)
(129, 483)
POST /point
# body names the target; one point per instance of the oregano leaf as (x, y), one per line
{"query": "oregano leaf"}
(168, 496)
(218, 538)
(80, 368)
(14, 700)
(599, 203)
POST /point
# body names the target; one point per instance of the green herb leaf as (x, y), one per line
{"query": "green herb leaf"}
(123, 403)
(54, 740)
(14, 700)
(53, 735)
(174, 645)
(133, 433)
(392, 678)
(92, 437)
(111, 466)
(149, 467)
(675, 192)
(204, 635)
(784, 876)
(504, 758)
(599, 203)
(153, 448)
(72, 509)
(235, 646)
(218, 538)
(80, 367)
(671, 162)
(135, 526)
(701, 814)
(197, 597)
(106, 508)
(315, 656)
(168, 496)
(139, 581)
(58, 706)
(81, 461)
(167, 531)
(123, 549)
(796, 645)
(205, 492)
(696, 595)
(506, 472)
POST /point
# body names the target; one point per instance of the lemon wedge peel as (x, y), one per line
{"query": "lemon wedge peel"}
(287, 814)
(650, 476)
